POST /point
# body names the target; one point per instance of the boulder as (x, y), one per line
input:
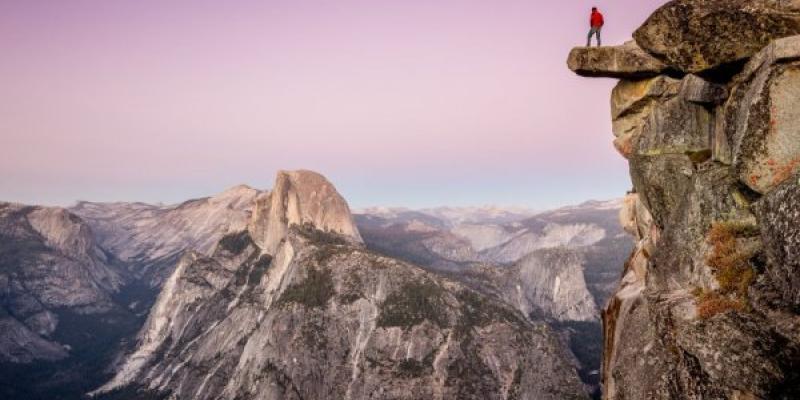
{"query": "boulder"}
(779, 50)
(697, 90)
(663, 115)
(695, 36)
(632, 102)
(676, 126)
(762, 117)
(626, 62)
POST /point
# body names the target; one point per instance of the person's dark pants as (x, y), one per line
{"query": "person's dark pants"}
(594, 31)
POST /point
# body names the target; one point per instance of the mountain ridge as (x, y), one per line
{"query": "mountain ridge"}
(345, 312)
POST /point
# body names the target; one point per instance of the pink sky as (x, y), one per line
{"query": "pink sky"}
(415, 103)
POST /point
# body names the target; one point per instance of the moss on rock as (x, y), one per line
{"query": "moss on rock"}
(413, 303)
(313, 292)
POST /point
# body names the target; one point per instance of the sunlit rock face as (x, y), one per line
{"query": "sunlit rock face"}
(551, 283)
(707, 303)
(627, 61)
(150, 239)
(528, 253)
(554, 266)
(304, 311)
(299, 198)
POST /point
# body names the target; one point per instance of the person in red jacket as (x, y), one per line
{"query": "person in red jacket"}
(595, 24)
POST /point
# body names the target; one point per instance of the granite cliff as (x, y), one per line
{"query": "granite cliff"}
(706, 113)
(66, 304)
(553, 266)
(149, 239)
(49, 265)
(295, 307)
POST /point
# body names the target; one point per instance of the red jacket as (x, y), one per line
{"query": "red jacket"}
(596, 20)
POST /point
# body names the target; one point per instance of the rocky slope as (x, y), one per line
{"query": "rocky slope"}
(554, 266)
(590, 233)
(63, 304)
(550, 282)
(708, 304)
(150, 238)
(295, 307)
(48, 262)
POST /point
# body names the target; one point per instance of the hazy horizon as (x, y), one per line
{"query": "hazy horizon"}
(415, 104)
(355, 209)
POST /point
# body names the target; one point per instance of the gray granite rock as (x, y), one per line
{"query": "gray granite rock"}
(699, 36)
(708, 153)
(314, 315)
(762, 117)
(627, 61)
(779, 215)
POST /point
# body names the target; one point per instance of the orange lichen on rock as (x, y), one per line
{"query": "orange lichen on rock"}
(624, 145)
(730, 261)
(784, 172)
(711, 304)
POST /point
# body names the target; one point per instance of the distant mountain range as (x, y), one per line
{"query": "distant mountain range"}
(559, 266)
(212, 279)
(456, 215)
(150, 238)
(452, 239)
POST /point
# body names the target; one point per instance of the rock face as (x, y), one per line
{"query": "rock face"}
(626, 327)
(555, 266)
(668, 107)
(299, 198)
(19, 343)
(696, 36)
(551, 283)
(151, 238)
(48, 262)
(779, 213)
(708, 303)
(585, 236)
(763, 116)
(318, 316)
(627, 61)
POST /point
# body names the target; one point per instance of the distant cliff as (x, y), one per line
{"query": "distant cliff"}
(149, 239)
(294, 307)
(707, 112)
(50, 270)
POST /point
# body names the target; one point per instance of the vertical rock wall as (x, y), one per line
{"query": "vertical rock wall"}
(708, 306)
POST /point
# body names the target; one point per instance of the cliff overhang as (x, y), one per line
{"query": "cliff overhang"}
(707, 113)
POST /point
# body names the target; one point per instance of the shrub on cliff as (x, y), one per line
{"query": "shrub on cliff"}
(710, 304)
(730, 261)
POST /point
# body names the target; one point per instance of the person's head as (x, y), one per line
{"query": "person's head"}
(594, 9)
